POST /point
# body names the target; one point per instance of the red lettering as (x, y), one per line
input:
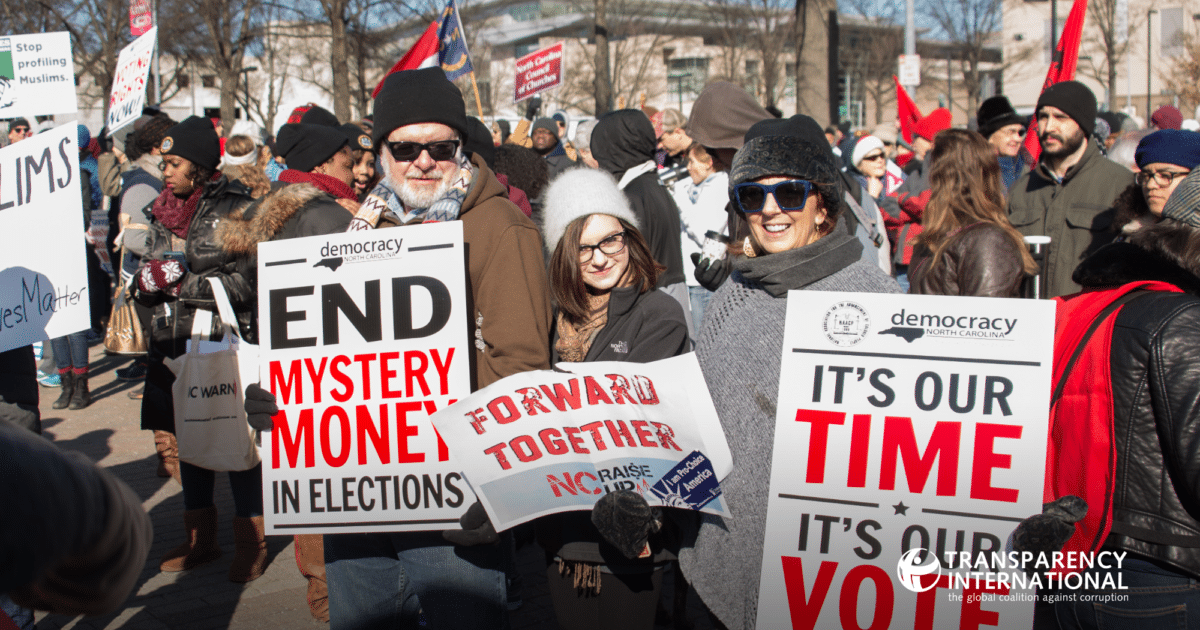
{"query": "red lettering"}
(973, 614)
(899, 439)
(477, 418)
(562, 397)
(595, 393)
(927, 602)
(575, 440)
(805, 609)
(504, 410)
(597, 437)
(525, 448)
(645, 390)
(620, 390)
(860, 443)
(618, 431)
(282, 439)
(552, 440)
(985, 459)
(443, 369)
(666, 436)
(335, 370)
(817, 439)
(443, 450)
(343, 454)
(387, 374)
(565, 484)
(579, 482)
(315, 374)
(415, 372)
(281, 388)
(885, 597)
(404, 431)
(365, 360)
(642, 430)
(378, 436)
(498, 451)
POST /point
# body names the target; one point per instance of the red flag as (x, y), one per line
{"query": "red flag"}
(423, 54)
(1062, 66)
(906, 111)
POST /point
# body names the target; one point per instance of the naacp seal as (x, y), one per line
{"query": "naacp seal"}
(846, 324)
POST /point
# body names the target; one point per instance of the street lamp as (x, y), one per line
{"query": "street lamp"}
(1149, 56)
(679, 77)
(246, 82)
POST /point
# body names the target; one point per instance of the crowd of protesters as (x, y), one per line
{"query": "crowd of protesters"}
(592, 241)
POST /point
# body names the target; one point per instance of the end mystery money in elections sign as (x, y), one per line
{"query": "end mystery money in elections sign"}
(43, 271)
(363, 336)
(910, 441)
(544, 442)
(37, 75)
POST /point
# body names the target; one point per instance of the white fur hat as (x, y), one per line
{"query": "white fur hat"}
(579, 192)
(866, 144)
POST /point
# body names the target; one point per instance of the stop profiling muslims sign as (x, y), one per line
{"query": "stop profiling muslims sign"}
(363, 337)
(129, 81)
(539, 71)
(43, 269)
(37, 75)
(543, 442)
(910, 441)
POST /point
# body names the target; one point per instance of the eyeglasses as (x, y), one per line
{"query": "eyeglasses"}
(610, 246)
(873, 157)
(1162, 178)
(440, 151)
(789, 195)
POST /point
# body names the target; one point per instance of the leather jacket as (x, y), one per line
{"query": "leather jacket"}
(1156, 400)
(980, 260)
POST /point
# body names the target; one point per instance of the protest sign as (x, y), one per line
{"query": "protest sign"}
(363, 335)
(128, 94)
(910, 430)
(37, 75)
(141, 17)
(43, 282)
(544, 442)
(539, 71)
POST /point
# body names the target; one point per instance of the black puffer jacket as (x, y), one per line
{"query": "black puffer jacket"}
(622, 140)
(1156, 399)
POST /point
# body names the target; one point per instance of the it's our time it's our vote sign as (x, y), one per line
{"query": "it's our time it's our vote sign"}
(910, 436)
(363, 336)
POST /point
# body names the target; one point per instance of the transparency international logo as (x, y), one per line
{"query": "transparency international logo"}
(1021, 570)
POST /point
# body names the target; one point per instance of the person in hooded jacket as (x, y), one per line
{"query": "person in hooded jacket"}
(623, 143)
(183, 254)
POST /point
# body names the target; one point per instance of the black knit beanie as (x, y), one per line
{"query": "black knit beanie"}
(359, 139)
(319, 116)
(306, 146)
(1075, 100)
(479, 141)
(790, 156)
(410, 97)
(194, 140)
(996, 113)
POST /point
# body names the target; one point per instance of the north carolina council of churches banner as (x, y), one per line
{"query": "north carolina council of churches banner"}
(550, 441)
(363, 336)
(43, 269)
(37, 75)
(910, 440)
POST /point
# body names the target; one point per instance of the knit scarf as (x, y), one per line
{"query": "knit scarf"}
(174, 213)
(383, 203)
(800, 267)
(331, 185)
(575, 341)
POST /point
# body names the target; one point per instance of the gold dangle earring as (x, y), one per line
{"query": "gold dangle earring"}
(748, 248)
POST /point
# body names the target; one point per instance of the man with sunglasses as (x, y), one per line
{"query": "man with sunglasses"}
(1069, 194)
(420, 127)
(1004, 129)
(18, 130)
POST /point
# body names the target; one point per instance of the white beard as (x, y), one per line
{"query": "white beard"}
(411, 197)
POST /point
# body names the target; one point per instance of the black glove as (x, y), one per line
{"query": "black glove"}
(713, 275)
(477, 528)
(533, 107)
(260, 406)
(626, 521)
(1049, 531)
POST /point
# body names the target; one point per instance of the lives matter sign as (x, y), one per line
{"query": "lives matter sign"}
(43, 269)
(544, 442)
(128, 94)
(37, 75)
(363, 337)
(539, 71)
(910, 436)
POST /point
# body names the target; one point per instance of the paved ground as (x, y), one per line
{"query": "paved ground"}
(202, 599)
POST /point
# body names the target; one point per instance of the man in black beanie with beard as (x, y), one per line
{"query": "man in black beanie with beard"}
(1069, 194)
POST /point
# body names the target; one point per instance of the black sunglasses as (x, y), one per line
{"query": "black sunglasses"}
(789, 195)
(440, 151)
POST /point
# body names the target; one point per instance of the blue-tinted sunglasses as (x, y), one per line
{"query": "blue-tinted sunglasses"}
(789, 195)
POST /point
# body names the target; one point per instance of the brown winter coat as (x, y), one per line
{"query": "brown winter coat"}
(980, 260)
(510, 294)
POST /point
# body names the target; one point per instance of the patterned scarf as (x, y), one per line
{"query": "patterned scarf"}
(174, 213)
(383, 202)
(575, 341)
(331, 185)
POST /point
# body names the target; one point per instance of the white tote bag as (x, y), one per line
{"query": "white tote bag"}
(209, 392)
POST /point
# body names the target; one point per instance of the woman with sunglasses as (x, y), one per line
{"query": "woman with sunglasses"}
(968, 247)
(870, 164)
(602, 279)
(1163, 159)
(789, 192)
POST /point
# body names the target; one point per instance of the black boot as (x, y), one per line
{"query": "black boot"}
(81, 397)
(68, 389)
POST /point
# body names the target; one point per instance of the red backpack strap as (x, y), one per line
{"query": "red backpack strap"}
(6, 622)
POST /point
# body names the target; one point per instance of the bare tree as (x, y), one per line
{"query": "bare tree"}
(1183, 76)
(230, 28)
(970, 26)
(1111, 44)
